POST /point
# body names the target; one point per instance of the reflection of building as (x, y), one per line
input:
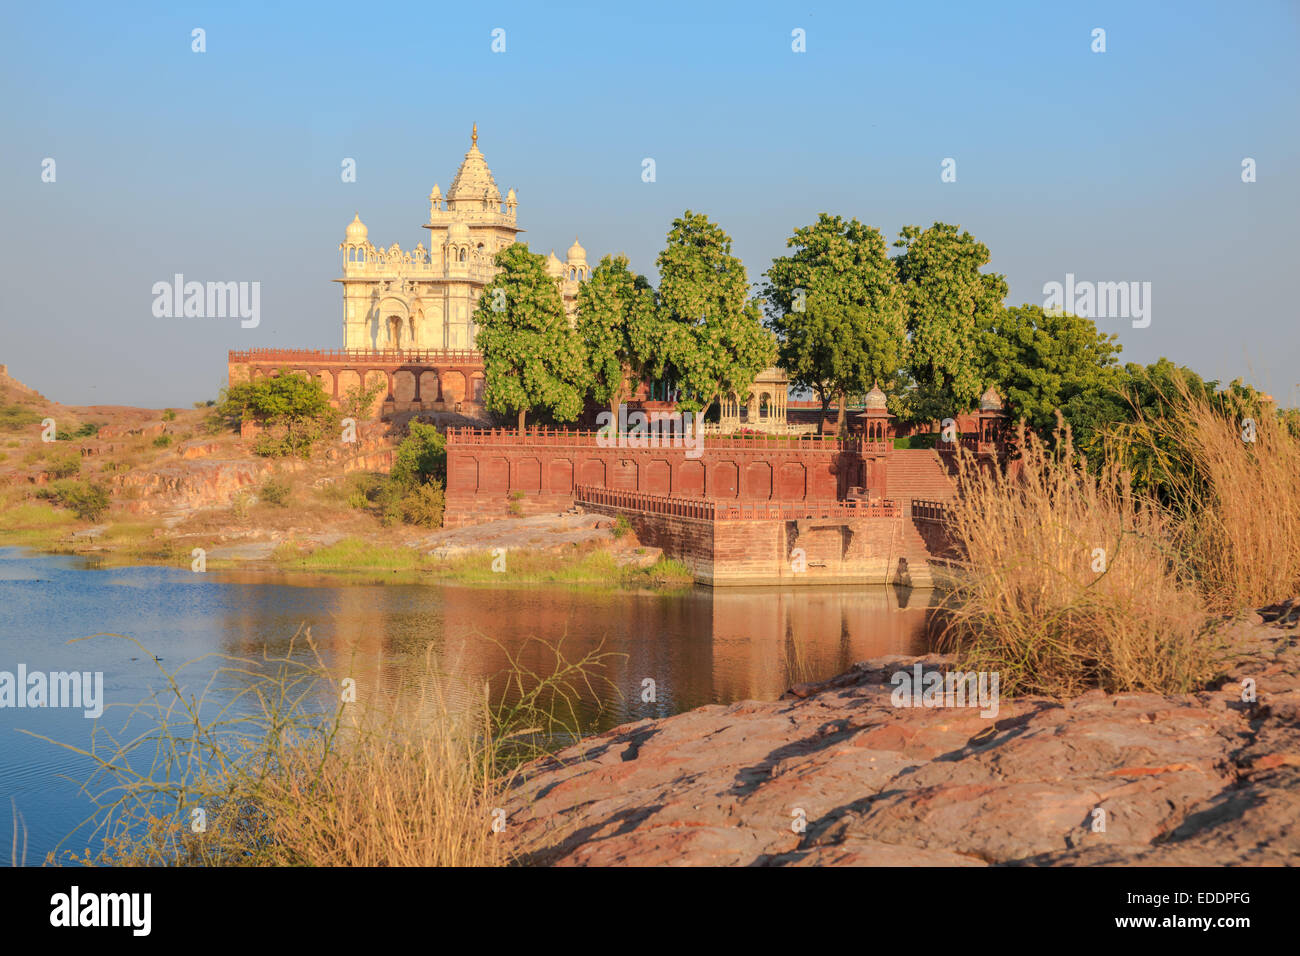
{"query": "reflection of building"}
(425, 298)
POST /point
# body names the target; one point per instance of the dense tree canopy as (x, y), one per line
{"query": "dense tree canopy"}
(1043, 361)
(837, 309)
(948, 300)
(532, 358)
(618, 326)
(713, 339)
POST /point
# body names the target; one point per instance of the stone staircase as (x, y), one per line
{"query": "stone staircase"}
(918, 473)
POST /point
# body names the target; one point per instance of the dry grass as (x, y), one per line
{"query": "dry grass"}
(1239, 506)
(1071, 583)
(289, 772)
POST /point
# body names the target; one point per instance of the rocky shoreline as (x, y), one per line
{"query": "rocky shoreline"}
(1208, 778)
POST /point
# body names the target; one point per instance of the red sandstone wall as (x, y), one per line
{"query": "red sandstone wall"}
(761, 552)
(483, 477)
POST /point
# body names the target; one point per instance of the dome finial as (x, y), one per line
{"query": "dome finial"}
(474, 136)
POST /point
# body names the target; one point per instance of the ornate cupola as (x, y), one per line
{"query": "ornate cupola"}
(877, 422)
(576, 262)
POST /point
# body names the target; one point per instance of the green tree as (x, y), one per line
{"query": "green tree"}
(837, 309)
(420, 457)
(532, 358)
(713, 341)
(293, 409)
(1043, 361)
(948, 299)
(619, 329)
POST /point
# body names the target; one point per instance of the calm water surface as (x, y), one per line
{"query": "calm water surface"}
(699, 647)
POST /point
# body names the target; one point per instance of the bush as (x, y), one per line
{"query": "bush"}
(162, 441)
(420, 456)
(65, 466)
(169, 415)
(14, 417)
(84, 430)
(423, 505)
(293, 411)
(276, 491)
(621, 526)
(85, 500)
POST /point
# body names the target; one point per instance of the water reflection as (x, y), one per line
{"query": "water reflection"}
(699, 647)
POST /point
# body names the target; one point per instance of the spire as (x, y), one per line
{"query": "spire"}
(473, 139)
(473, 181)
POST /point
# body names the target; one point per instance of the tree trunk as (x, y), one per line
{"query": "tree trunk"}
(522, 413)
(821, 421)
(839, 419)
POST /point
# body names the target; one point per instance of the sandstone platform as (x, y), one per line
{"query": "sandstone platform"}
(1194, 779)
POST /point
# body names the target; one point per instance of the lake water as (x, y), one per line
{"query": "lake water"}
(699, 647)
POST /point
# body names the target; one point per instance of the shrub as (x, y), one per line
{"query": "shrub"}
(64, 466)
(276, 491)
(420, 456)
(621, 526)
(389, 502)
(85, 500)
(423, 505)
(84, 430)
(293, 411)
(169, 415)
(162, 441)
(14, 417)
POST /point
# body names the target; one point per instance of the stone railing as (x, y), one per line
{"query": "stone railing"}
(927, 510)
(359, 356)
(647, 439)
(713, 510)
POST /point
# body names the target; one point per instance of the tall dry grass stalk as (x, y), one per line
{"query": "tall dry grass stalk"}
(1069, 582)
(1237, 508)
(287, 772)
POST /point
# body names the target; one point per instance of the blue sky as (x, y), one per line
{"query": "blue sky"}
(1115, 166)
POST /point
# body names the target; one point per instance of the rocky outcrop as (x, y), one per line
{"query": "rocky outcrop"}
(835, 774)
(190, 485)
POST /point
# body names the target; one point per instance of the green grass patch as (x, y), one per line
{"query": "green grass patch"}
(570, 568)
(352, 554)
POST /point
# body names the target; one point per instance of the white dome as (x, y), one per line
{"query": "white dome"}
(357, 230)
(991, 401)
(876, 398)
(458, 232)
(577, 253)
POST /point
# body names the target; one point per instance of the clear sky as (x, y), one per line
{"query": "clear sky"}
(225, 165)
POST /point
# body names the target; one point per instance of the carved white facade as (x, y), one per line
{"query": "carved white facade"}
(425, 298)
